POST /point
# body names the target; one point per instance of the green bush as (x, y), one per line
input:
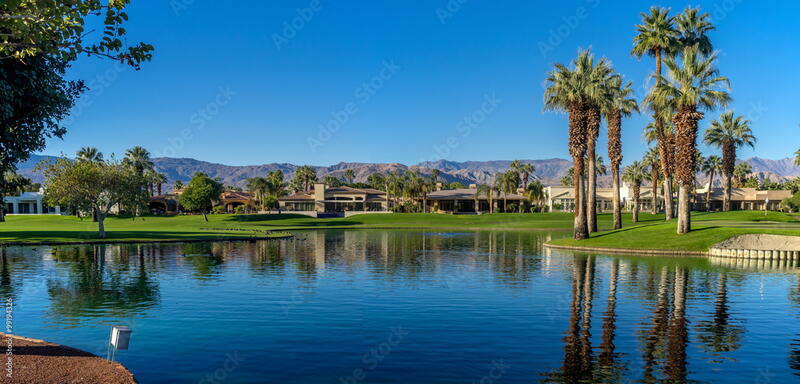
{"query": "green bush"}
(239, 210)
(218, 210)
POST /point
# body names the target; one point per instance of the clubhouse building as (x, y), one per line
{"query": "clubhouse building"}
(324, 200)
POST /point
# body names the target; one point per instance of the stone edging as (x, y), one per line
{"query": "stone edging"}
(754, 254)
(663, 252)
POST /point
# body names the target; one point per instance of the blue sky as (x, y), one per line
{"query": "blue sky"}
(319, 82)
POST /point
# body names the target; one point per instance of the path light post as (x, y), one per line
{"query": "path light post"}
(120, 338)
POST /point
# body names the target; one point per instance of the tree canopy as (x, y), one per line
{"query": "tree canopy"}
(200, 193)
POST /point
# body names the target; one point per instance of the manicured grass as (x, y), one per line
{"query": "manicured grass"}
(707, 230)
(651, 233)
(37, 229)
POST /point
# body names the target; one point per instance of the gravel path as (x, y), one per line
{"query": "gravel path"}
(40, 362)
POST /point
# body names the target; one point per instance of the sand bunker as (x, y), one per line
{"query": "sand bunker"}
(761, 242)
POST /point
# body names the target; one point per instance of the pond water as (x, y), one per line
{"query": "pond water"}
(370, 306)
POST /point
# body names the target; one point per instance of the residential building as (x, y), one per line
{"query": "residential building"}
(335, 201)
(464, 200)
(742, 199)
(29, 203)
(562, 198)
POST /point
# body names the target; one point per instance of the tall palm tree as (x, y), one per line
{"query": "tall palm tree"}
(305, 177)
(710, 166)
(89, 154)
(620, 104)
(526, 171)
(350, 175)
(159, 179)
(435, 175)
(574, 91)
(635, 174)
(536, 193)
(258, 187)
(139, 159)
(516, 167)
(692, 27)
(276, 188)
(797, 158)
(693, 84)
(177, 185)
(657, 37)
(653, 161)
(729, 132)
(599, 96)
(740, 173)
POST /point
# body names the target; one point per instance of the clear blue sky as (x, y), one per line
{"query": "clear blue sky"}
(231, 83)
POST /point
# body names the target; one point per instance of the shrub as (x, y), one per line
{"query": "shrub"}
(218, 210)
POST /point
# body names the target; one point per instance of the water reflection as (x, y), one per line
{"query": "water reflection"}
(624, 319)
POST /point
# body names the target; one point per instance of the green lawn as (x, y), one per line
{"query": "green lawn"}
(38, 229)
(651, 233)
(707, 230)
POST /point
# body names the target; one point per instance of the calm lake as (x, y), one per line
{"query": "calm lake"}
(374, 306)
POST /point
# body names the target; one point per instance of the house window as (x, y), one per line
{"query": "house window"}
(10, 208)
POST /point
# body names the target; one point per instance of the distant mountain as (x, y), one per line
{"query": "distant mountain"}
(549, 171)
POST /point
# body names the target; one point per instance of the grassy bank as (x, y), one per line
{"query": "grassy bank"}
(39, 229)
(707, 230)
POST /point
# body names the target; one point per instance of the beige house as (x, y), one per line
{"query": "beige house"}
(463, 201)
(337, 201)
(742, 199)
(562, 198)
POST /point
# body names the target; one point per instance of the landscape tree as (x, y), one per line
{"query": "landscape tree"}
(635, 174)
(797, 158)
(652, 160)
(177, 185)
(526, 171)
(536, 194)
(258, 187)
(620, 104)
(350, 175)
(693, 84)
(728, 133)
(276, 188)
(435, 175)
(89, 154)
(710, 166)
(656, 36)
(600, 76)
(377, 181)
(138, 159)
(693, 27)
(332, 181)
(200, 194)
(573, 90)
(740, 174)
(304, 178)
(96, 186)
(159, 179)
(38, 41)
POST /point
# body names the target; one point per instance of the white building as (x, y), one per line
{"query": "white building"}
(29, 203)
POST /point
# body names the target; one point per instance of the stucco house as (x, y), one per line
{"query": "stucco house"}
(324, 200)
(29, 203)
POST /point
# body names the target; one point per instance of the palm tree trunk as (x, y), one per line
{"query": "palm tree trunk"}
(726, 200)
(616, 197)
(654, 208)
(708, 192)
(581, 230)
(593, 130)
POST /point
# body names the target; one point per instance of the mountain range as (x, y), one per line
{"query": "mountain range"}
(549, 171)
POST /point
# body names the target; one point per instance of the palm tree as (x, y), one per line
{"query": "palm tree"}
(635, 174)
(692, 27)
(435, 175)
(275, 188)
(138, 158)
(619, 105)
(740, 173)
(710, 165)
(258, 187)
(729, 132)
(526, 170)
(693, 84)
(516, 167)
(350, 175)
(797, 158)
(575, 91)
(656, 37)
(177, 185)
(89, 154)
(305, 177)
(653, 161)
(159, 179)
(536, 193)
(600, 76)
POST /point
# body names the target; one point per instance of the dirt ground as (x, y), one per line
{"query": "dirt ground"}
(40, 362)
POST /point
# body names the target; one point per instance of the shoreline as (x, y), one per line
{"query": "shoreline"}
(628, 251)
(40, 361)
(122, 241)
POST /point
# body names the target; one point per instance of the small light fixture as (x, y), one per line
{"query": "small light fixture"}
(120, 338)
